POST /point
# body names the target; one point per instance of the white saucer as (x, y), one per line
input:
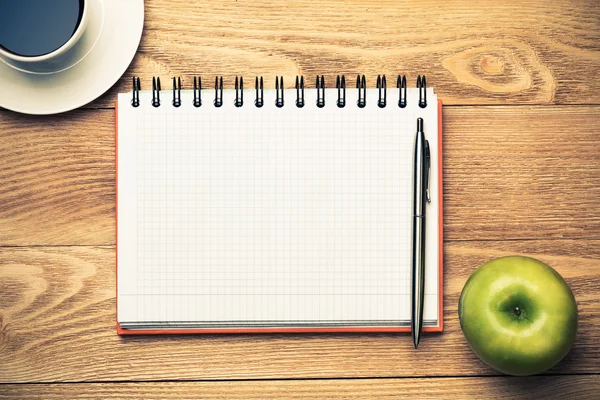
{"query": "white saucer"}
(89, 69)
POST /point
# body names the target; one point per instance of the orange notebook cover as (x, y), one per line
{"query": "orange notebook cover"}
(299, 329)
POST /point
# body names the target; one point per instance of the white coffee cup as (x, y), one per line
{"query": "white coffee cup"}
(56, 54)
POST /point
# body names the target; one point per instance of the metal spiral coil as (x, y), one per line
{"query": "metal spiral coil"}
(279, 91)
(135, 101)
(401, 85)
(300, 91)
(218, 92)
(197, 102)
(320, 91)
(176, 92)
(422, 86)
(381, 87)
(340, 84)
(361, 85)
(155, 92)
(259, 101)
(239, 92)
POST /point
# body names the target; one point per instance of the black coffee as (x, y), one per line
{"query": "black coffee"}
(36, 27)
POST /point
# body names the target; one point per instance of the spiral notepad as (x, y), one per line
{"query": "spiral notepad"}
(260, 210)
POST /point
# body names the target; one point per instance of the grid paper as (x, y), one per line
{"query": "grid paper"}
(272, 215)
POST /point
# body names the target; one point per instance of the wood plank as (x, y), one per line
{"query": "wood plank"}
(517, 52)
(510, 172)
(58, 324)
(558, 387)
(521, 172)
(57, 179)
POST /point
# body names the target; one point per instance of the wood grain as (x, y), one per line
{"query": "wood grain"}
(509, 173)
(58, 324)
(516, 52)
(518, 180)
(563, 387)
(57, 179)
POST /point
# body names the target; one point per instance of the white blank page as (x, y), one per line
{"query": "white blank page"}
(270, 216)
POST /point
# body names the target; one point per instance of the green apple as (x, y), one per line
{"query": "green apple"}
(518, 315)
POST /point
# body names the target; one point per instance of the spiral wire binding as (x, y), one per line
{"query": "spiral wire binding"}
(299, 91)
(340, 85)
(218, 92)
(155, 91)
(422, 86)
(176, 92)
(279, 91)
(197, 92)
(382, 86)
(239, 92)
(135, 100)
(259, 95)
(361, 85)
(401, 85)
(320, 91)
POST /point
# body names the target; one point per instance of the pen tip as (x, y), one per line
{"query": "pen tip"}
(419, 124)
(417, 339)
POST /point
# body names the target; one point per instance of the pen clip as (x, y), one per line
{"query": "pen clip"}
(427, 173)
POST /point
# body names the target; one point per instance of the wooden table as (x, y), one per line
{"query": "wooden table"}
(520, 85)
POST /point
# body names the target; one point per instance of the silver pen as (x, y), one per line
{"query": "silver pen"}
(421, 165)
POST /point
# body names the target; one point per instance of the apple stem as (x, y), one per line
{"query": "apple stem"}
(517, 311)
